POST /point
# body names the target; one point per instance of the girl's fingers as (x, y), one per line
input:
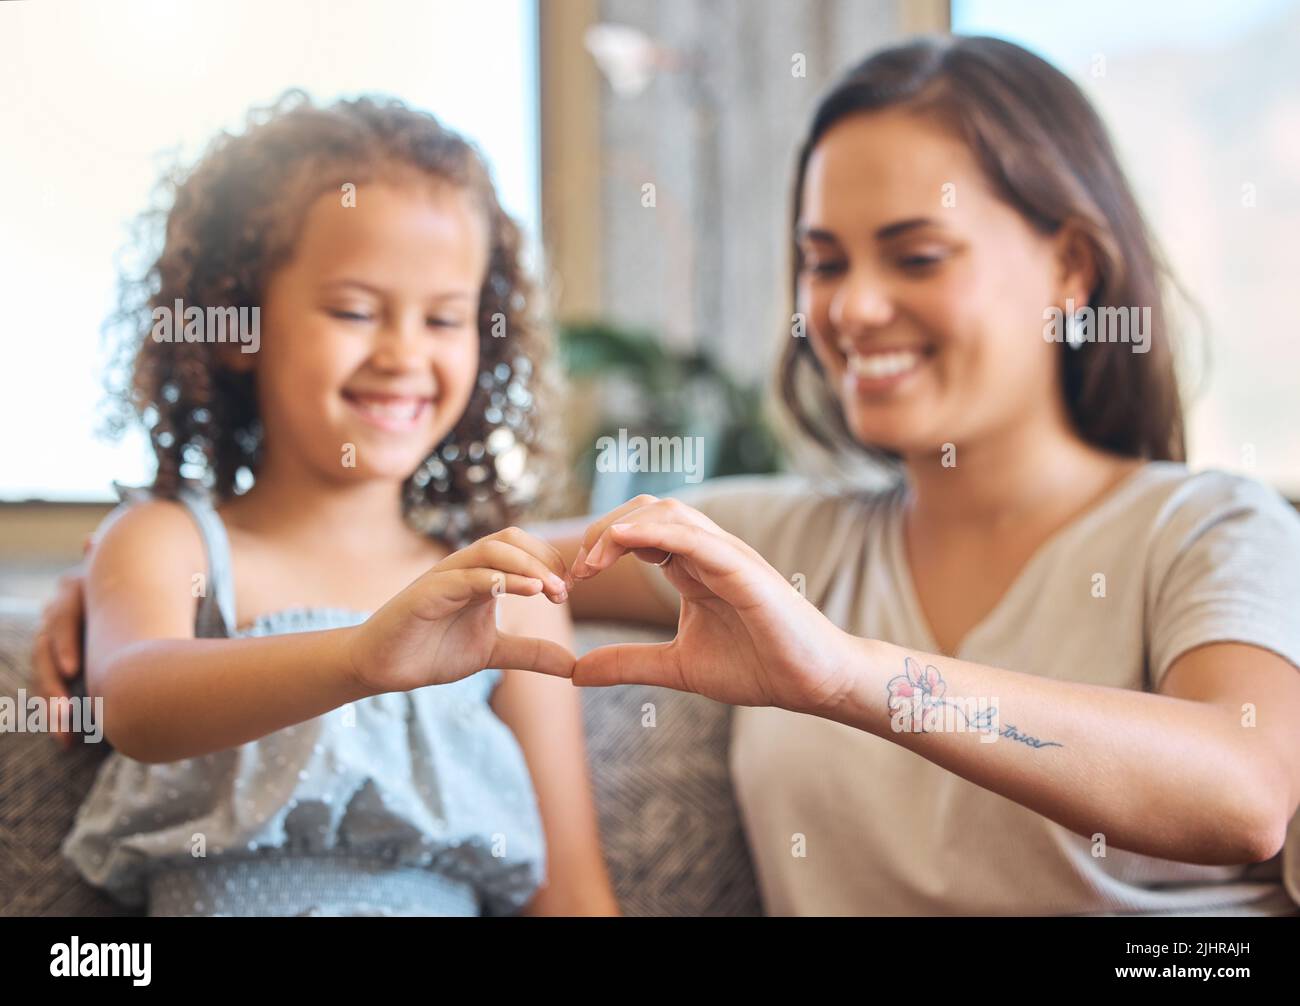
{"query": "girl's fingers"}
(512, 558)
(534, 545)
(528, 654)
(462, 586)
(499, 554)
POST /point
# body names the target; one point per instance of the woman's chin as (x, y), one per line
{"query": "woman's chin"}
(897, 435)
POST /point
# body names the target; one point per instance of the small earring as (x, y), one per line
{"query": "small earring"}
(1073, 324)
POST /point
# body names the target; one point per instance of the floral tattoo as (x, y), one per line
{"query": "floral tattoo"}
(918, 704)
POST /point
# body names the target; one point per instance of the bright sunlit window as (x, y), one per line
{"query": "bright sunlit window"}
(100, 96)
(1203, 100)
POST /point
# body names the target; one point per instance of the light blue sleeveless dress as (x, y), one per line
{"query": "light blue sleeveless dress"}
(407, 803)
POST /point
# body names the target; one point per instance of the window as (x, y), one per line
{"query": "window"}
(95, 98)
(1203, 102)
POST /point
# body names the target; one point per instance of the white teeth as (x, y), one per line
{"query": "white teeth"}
(398, 409)
(883, 364)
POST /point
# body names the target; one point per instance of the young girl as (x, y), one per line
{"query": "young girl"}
(266, 666)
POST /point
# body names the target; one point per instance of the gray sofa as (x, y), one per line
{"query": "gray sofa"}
(669, 823)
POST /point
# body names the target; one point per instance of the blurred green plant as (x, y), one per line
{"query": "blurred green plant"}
(650, 389)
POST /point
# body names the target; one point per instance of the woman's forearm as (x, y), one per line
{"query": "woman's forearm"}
(1151, 774)
(168, 699)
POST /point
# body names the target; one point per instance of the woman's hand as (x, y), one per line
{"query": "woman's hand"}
(745, 636)
(56, 647)
(443, 627)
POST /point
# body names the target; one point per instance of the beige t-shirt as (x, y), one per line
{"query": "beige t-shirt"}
(1188, 558)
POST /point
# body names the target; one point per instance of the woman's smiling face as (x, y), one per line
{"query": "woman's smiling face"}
(924, 292)
(371, 334)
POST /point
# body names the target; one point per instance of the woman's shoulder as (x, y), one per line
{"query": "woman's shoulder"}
(792, 519)
(1205, 533)
(1221, 554)
(779, 496)
(1182, 500)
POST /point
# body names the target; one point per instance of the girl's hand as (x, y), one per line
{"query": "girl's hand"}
(443, 627)
(745, 636)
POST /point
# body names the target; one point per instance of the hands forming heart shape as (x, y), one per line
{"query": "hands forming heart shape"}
(745, 636)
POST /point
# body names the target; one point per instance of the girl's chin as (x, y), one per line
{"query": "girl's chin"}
(368, 461)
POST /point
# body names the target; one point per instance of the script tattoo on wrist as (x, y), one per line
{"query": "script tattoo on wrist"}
(918, 703)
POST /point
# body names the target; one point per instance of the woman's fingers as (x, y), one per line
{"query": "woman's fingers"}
(46, 678)
(507, 557)
(597, 527)
(641, 508)
(48, 681)
(709, 549)
(528, 654)
(628, 664)
(63, 619)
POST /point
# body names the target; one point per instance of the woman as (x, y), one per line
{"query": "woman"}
(1084, 655)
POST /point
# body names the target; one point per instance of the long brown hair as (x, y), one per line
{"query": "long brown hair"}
(1047, 155)
(214, 238)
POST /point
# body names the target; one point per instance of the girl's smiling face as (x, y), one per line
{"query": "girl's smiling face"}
(925, 312)
(371, 330)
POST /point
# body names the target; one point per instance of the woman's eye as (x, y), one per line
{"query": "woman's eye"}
(444, 322)
(920, 263)
(817, 268)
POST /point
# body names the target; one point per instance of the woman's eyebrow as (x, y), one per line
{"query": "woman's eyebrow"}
(902, 227)
(802, 232)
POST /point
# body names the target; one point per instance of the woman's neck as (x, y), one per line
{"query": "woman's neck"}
(1026, 474)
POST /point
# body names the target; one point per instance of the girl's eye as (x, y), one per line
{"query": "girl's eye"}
(444, 322)
(350, 315)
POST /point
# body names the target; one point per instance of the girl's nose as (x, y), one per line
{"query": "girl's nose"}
(400, 344)
(862, 301)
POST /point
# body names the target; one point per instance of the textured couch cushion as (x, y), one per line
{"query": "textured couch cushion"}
(669, 823)
(41, 787)
(668, 817)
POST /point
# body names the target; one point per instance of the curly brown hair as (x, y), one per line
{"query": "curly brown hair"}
(230, 221)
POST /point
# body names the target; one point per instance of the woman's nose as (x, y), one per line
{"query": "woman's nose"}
(862, 301)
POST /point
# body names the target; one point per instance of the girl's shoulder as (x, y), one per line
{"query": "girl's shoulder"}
(151, 528)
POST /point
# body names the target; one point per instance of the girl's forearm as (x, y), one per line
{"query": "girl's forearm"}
(1152, 774)
(168, 699)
